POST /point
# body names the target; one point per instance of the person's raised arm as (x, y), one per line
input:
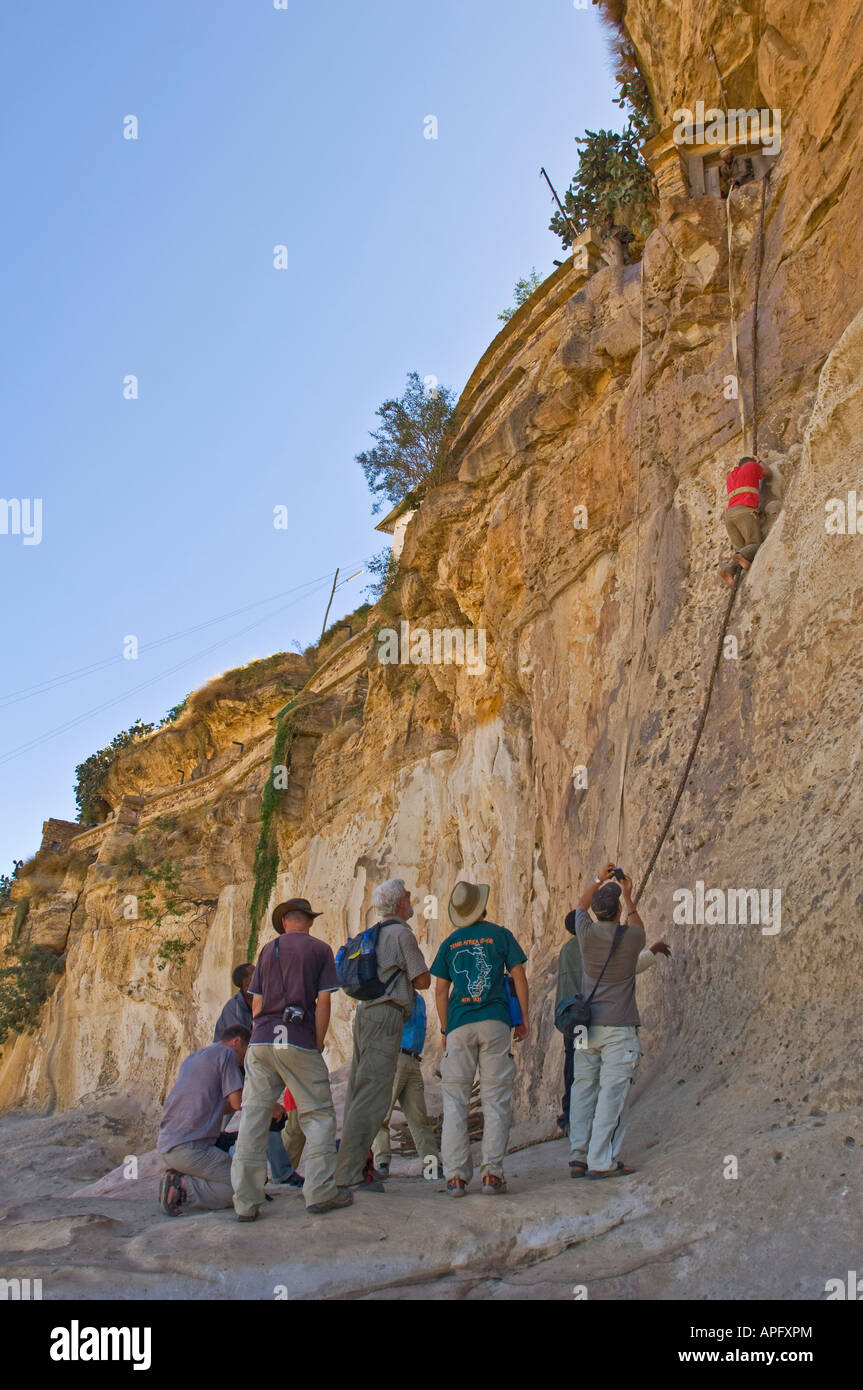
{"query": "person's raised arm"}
(632, 915)
(585, 899)
(323, 1008)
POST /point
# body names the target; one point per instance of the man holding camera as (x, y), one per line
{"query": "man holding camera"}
(607, 1053)
(291, 987)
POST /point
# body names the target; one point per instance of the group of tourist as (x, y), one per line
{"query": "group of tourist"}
(265, 1071)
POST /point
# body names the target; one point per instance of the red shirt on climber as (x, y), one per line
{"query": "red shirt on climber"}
(745, 475)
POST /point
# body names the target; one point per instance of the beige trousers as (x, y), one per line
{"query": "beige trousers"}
(269, 1069)
(480, 1046)
(377, 1039)
(744, 530)
(409, 1095)
(207, 1174)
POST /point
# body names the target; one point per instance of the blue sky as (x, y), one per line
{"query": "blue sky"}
(257, 127)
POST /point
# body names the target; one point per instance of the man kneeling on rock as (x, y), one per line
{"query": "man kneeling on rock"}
(209, 1085)
(291, 987)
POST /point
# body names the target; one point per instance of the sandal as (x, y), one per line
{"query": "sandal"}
(621, 1171)
(577, 1169)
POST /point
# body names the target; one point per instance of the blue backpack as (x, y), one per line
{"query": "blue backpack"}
(357, 964)
(414, 1031)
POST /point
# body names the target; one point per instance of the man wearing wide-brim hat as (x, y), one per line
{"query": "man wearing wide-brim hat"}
(473, 1006)
(291, 987)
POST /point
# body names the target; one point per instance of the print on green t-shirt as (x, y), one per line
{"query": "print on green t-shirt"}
(475, 960)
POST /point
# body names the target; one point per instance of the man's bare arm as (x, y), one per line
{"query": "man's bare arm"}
(323, 1007)
(422, 981)
(234, 1101)
(585, 899)
(257, 1001)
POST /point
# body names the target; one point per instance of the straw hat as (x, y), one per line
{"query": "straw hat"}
(467, 903)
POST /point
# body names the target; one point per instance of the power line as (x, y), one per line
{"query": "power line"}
(52, 682)
(154, 680)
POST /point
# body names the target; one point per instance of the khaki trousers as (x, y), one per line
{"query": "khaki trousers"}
(207, 1174)
(293, 1138)
(409, 1094)
(377, 1039)
(483, 1046)
(269, 1069)
(744, 530)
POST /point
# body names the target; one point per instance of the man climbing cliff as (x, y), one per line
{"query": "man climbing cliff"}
(741, 514)
(734, 170)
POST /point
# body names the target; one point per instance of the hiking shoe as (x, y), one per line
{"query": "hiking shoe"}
(251, 1216)
(382, 1170)
(342, 1198)
(456, 1187)
(369, 1184)
(293, 1180)
(172, 1193)
(492, 1185)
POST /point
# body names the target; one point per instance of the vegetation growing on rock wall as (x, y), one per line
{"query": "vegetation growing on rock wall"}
(410, 441)
(25, 984)
(613, 179)
(384, 567)
(6, 881)
(524, 288)
(266, 866)
(91, 773)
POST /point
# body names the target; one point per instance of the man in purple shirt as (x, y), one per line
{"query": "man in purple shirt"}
(209, 1085)
(291, 987)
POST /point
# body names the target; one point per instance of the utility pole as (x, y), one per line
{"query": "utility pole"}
(329, 606)
(544, 175)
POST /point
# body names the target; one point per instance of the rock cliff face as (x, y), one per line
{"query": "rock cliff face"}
(599, 639)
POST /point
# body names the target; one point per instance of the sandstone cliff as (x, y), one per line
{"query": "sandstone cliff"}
(599, 641)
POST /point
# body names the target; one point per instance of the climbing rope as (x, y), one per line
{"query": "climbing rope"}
(735, 353)
(736, 585)
(695, 742)
(632, 663)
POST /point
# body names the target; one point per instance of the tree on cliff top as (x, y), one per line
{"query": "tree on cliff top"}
(410, 442)
(613, 178)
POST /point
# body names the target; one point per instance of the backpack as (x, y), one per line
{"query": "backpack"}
(414, 1031)
(574, 1013)
(357, 964)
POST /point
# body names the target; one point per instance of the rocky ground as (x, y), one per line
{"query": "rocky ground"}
(679, 1229)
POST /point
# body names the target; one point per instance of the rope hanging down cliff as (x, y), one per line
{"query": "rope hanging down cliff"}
(624, 759)
(702, 720)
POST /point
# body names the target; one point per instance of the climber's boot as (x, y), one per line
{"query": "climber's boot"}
(728, 573)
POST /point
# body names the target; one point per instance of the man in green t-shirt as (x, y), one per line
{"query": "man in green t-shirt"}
(473, 1007)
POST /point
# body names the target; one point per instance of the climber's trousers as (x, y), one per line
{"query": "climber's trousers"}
(482, 1046)
(744, 530)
